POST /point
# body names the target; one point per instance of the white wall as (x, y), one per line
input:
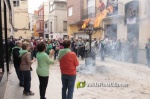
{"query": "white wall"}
(57, 35)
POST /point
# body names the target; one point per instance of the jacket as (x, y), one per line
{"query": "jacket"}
(68, 62)
(15, 53)
(25, 60)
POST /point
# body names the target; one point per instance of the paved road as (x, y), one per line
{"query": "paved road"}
(136, 76)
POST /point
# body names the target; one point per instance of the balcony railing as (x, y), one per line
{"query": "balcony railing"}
(65, 29)
(89, 13)
(92, 11)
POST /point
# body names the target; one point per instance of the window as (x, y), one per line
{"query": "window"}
(39, 25)
(39, 14)
(65, 25)
(16, 3)
(52, 7)
(51, 36)
(147, 7)
(51, 27)
(29, 25)
(65, 36)
(91, 8)
(46, 35)
(62, 6)
(70, 11)
(42, 25)
(45, 25)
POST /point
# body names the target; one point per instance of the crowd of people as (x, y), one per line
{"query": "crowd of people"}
(120, 50)
(45, 51)
(26, 52)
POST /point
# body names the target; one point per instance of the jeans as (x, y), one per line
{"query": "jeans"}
(102, 54)
(55, 54)
(19, 73)
(148, 62)
(68, 82)
(34, 53)
(43, 85)
(27, 80)
(134, 56)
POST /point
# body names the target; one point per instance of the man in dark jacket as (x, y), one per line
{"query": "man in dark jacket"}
(148, 52)
(17, 61)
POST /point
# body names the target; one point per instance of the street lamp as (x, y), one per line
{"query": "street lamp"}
(90, 30)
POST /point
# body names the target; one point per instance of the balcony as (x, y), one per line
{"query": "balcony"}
(118, 10)
(40, 30)
(89, 13)
(92, 11)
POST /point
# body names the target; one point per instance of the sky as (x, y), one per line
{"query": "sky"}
(34, 4)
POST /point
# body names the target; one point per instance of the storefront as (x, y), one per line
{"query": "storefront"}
(5, 26)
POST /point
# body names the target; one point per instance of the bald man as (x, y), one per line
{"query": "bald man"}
(17, 61)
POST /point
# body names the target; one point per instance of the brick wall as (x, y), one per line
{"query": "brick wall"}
(77, 6)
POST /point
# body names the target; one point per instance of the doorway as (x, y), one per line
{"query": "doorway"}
(111, 31)
(132, 31)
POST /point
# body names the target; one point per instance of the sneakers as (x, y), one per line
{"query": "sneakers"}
(28, 93)
(21, 85)
(43, 98)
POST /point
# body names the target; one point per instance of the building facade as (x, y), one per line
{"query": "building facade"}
(78, 11)
(21, 19)
(36, 35)
(57, 23)
(46, 19)
(40, 21)
(6, 24)
(31, 24)
(127, 20)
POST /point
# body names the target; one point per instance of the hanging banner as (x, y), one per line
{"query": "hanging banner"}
(132, 12)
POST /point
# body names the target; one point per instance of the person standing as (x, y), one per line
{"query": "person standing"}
(134, 50)
(34, 48)
(87, 46)
(68, 62)
(17, 61)
(119, 50)
(148, 52)
(43, 68)
(102, 50)
(25, 68)
(49, 47)
(11, 45)
(56, 48)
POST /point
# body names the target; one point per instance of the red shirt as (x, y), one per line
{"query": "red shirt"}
(68, 63)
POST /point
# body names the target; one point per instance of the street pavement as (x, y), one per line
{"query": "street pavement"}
(135, 75)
